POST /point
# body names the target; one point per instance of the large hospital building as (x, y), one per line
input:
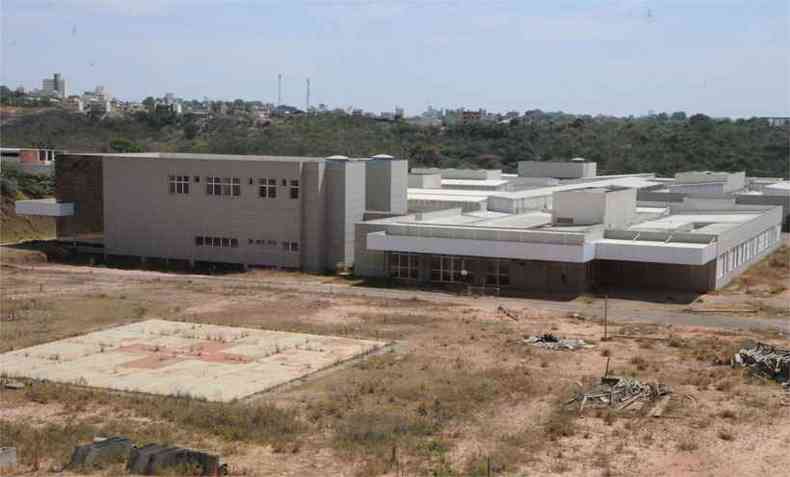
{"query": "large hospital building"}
(554, 226)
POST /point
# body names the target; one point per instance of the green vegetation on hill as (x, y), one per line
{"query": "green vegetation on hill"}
(15, 185)
(663, 144)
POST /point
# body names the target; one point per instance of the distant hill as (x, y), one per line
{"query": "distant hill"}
(663, 144)
(14, 185)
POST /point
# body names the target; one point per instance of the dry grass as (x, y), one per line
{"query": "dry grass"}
(767, 277)
(31, 321)
(458, 393)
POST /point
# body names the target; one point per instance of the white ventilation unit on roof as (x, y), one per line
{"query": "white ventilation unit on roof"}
(337, 156)
(382, 156)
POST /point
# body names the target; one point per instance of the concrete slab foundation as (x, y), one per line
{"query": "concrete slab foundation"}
(217, 363)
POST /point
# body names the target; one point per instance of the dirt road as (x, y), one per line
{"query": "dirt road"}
(74, 279)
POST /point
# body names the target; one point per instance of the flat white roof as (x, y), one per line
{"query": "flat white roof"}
(627, 182)
(784, 185)
(721, 221)
(475, 182)
(187, 156)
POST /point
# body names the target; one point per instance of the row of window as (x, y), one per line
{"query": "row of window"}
(216, 242)
(226, 242)
(447, 269)
(223, 186)
(746, 251)
(286, 246)
(231, 186)
(267, 188)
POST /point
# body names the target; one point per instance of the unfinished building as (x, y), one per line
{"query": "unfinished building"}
(289, 212)
(571, 238)
(449, 227)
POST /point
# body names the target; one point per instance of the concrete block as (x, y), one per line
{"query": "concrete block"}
(7, 458)
(140, 458)
(154, 459)
(101, 453)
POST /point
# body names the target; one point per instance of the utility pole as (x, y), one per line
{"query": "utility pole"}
(279, 89)
(307, 97)
(605, 317)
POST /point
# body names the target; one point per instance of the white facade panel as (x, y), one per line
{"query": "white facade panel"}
(45, 207)
(655, 252)
(579, 253)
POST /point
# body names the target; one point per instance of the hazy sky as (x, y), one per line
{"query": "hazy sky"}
(720, 57)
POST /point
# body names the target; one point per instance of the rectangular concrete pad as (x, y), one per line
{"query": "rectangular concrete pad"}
(217, 363)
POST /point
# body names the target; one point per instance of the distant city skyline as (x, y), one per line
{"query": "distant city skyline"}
(721, 58)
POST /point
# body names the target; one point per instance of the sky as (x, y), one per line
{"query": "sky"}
(617, 57)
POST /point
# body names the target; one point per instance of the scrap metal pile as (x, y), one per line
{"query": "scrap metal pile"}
(766, 360)
(620, 393)
(549, 341)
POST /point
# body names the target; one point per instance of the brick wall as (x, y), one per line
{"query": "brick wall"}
(78, 179)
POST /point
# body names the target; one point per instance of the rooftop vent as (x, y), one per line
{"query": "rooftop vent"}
(337, 156)
(382, 156)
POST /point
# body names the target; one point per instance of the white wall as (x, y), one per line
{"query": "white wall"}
(425, 181)
(560, 170)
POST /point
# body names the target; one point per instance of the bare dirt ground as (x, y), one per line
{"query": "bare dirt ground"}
(458, 391)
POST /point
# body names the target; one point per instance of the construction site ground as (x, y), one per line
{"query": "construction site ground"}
(458, 393)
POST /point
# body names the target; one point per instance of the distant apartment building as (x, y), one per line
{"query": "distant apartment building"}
(31, 160)
(780, 121)
(55, 86)
(75, 104)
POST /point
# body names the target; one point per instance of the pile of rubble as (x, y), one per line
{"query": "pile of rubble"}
(549, 341)
(620, 393)
(151, 459)
(766, 360)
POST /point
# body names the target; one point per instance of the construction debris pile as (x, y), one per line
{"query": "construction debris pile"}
(151, 459)
(549, 341)
(766, 360)
(621, 393)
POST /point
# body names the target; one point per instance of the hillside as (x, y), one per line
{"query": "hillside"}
(17, 185)
(664, 144)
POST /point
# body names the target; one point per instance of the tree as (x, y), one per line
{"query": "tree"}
(149, 103)
(124, 145)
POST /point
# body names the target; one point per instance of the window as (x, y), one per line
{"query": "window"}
(498, 273)
(223, 186)
(216, 242)
(213, 186)
(294, 189)
(404, 265)
(290, 246)
(565, 220)
(178, 184)
(267, 188)
(285, 182)
(446, 269)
